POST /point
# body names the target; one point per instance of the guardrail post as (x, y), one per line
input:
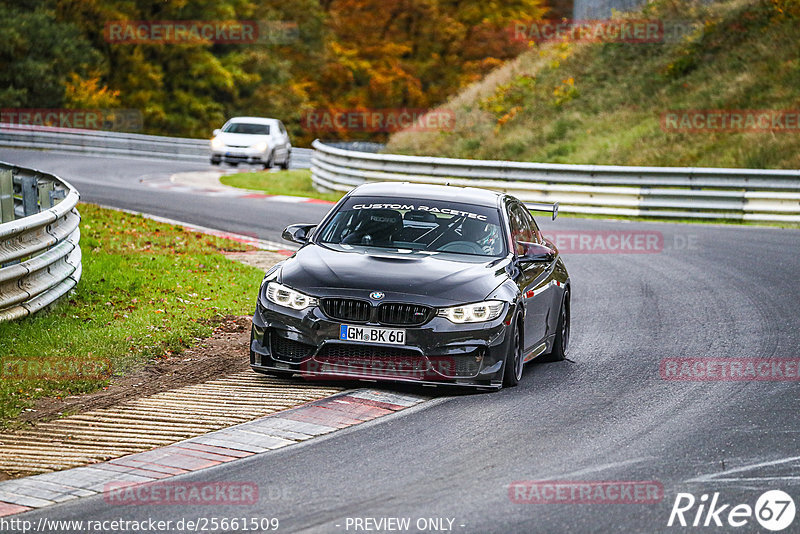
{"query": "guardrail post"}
(45, 198)
(30, 196)
(6, 196)
(57, 195)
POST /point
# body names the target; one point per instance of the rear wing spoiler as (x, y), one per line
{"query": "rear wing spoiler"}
(543, 206)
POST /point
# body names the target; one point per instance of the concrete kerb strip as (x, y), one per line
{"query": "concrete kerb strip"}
(262, 435)
(208, 183)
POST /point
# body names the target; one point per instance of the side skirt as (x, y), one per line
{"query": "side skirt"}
(535, 352)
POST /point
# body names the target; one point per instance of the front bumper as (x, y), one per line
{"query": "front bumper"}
(239, 155)
(436, 353)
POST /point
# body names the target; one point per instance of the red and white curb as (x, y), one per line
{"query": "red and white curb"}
(227, 445)
(207, 183)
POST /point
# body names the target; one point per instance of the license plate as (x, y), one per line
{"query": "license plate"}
(385, 336)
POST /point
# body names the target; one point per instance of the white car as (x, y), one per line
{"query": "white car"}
(255, 140)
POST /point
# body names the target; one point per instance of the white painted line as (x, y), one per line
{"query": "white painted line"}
(750, 479)
(715, 477)
(292, 200)
(208, 183)
(593, 469)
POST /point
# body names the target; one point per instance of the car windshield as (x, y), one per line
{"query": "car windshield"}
(423, 226)
(247, 128)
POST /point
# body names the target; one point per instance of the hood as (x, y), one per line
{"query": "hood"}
(439, 280)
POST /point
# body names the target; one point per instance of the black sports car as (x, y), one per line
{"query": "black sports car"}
(417, 283)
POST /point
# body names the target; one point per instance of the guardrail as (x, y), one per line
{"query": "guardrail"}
(40, 256)
(102, 142)
(99, 142)
(663, 192)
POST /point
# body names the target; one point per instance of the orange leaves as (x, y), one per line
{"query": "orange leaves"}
(89, 93)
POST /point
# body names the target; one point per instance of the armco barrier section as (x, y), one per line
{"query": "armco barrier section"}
(40, 256)
(663, 192)
(103, 143)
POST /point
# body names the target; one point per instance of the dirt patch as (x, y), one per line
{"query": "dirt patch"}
(225, 352)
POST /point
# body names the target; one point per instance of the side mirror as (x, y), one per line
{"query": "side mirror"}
(298, 233)
(535, 252)
(216, 132)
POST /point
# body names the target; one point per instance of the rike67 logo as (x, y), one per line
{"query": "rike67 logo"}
(774, 510)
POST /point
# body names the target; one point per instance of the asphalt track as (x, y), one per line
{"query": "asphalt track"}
(606, 415)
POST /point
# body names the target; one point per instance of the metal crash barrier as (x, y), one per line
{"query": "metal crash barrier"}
(663, 192)
(40, 256)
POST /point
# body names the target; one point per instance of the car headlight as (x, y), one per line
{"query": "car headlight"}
(288, 297)
(217, 143)
(473, 313)
(261, 147)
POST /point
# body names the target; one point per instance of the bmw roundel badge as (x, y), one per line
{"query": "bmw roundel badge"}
(376, 295)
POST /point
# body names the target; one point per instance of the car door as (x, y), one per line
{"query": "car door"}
(557, 292)
(533, 278)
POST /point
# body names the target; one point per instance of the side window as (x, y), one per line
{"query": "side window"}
(531, 222)
(281, 127)
(521, 230)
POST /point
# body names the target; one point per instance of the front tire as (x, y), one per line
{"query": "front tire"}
(285, 165)
(512, 370)
(270, 162)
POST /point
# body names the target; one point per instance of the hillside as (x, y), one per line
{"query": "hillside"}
(609, 103)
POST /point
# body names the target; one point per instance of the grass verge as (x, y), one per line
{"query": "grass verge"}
(148, 290)
(294, 183)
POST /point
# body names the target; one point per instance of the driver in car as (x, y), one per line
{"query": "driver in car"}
(485, 236)
(378, 228)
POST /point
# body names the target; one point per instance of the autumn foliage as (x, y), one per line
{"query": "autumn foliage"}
(354, 54)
